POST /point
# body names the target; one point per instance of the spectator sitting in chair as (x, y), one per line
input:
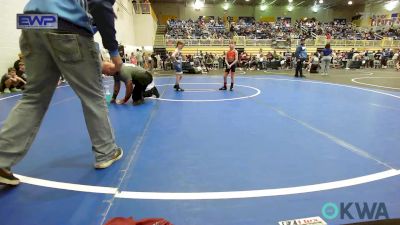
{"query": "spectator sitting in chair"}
(21, 74)
(21, 71)
(16, 63)
(377, 59)
(209, 62)
(252, 63)
(314, 64)
(11, 81)
(243, 60)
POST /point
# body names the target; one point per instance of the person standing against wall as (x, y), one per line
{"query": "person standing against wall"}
(139, 58)
(67, 49)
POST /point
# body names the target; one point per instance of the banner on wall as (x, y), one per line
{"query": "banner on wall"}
(267, 19)
(385, 20)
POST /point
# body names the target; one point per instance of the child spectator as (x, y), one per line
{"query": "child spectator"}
(21, 70)
(11, 81)
(133, 59)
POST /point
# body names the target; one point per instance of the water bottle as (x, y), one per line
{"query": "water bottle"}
(107, 93)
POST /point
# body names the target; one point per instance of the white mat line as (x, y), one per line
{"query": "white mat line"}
(258, 193)
(67, 186)
(210, 195)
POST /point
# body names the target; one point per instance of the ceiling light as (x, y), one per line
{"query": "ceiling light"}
(290, 1)
(198, 4)
(321, 1)
(350, 2)
(225, 6)
(290, 8)
(263, 7)
(391, 5)
(315, 8)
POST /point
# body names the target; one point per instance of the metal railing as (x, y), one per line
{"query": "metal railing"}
(198, 42)
(318, 42)
(314, 35)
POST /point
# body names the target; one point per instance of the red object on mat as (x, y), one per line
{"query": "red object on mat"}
(130, 221)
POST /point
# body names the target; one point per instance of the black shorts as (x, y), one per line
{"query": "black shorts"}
(232, 69)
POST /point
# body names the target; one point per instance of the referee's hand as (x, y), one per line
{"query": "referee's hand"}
(117, 62)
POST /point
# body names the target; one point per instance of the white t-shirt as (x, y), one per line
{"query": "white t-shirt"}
(139, 56)
(315, 60)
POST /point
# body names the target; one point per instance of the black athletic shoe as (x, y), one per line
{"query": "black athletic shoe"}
(223, 88)
(118, 153)
(138, 102)
(231, 89)
(178, 88)
(6, 177)
(155, 92)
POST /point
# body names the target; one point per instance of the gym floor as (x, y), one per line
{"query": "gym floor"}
(274, 149)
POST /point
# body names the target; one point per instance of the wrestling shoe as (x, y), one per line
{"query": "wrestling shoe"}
(223, 88)
(177, 88)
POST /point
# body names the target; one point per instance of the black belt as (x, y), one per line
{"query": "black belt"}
(68, 27)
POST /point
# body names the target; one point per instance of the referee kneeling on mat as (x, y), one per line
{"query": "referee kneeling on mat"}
(136, 80)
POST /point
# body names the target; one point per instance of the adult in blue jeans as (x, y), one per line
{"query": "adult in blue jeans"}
(326, 59)
(68, 50)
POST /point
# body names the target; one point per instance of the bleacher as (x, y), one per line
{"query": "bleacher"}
(353, 37)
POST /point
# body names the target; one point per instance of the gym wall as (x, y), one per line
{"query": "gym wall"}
(9, 38)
